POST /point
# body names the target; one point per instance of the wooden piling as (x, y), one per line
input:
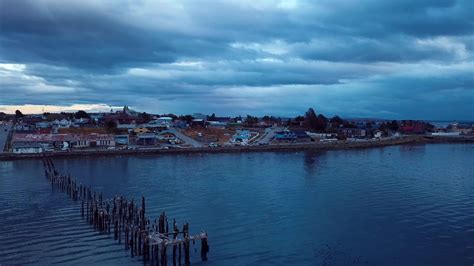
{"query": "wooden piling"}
(141, 235)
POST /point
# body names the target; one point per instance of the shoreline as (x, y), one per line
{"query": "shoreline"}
(244, 149)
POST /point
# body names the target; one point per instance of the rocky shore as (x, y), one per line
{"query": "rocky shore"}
(260, 148)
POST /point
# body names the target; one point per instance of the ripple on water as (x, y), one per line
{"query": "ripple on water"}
(413, 203)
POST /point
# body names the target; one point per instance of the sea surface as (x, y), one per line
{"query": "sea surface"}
(400, 205)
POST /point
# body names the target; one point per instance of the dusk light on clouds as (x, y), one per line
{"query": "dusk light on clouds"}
(385, 59)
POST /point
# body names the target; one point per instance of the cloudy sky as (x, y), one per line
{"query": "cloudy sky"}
(368, 58)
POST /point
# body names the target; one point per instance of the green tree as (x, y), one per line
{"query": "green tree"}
(336, 120)
(110, 126)
(212, 117)
(322, 122)
(187, 118)
(251, 120)
(310, 119)
(18, 114)
(393, 126)
(300, 118)
(145, 116)
(315, 122)
(81, 114)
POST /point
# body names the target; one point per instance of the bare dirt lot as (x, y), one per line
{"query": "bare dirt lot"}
(208, 135)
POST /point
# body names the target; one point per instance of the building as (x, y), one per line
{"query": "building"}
(146, 139)
(92, 140)
(352, 132)
(180, 123)
(167, 136)
(285, 136)
(165, 120)
(122, 139)
(198, 122)
(412, 127)
(314, 135)
(241, 136)
(129, 126)
(200, 116)
(80, 122)
(292, 135)
(43, 124)
(446, 134)
(460, 128)
(20, 148)
(301, 135)
(64, 141)
(157, 124)
(63, 123)
(216, 124)
(19, 127)
(378, 134)
(141, 130)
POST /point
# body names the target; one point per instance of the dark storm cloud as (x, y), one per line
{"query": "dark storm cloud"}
(234, 56)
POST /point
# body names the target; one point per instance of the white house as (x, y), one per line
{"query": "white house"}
(378, 134)
(63, 123)
(43, 124)
(126, 126)
(19, 148)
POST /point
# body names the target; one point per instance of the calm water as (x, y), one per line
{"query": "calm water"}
(406, 205)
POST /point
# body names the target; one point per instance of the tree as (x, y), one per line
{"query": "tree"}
(429, 127)
(212, 117)
(187, 118)
(317, 123)
(3, 116)
(348, 124)
(18, 114)
(67, 115)
(393, 126)
(310, 119)
(111, 126)
(322, 122)
(384, 127)
(251, 120)
(81, 114)
(145, 116)
(336, 120)
(299, 118)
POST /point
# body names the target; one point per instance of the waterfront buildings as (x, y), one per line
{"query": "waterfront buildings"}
(131, 129)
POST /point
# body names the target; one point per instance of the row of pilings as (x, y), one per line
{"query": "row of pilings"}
(128, 223)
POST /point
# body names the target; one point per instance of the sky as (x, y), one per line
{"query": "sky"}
(399, 59)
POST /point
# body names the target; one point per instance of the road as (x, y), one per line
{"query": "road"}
(4, 135)
(269, 134)
(186, 139)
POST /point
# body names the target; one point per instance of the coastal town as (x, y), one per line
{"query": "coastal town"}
(129, 130)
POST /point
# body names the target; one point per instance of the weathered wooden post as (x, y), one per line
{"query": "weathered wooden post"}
(143, 237)
(126, 236)
(179, 254)
(175, 236)
(143, 213)
(186, 243)
(204, 248)
(131, 242)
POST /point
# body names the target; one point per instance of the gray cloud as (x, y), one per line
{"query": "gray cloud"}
(363, 58)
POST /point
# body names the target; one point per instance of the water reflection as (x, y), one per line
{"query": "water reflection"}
(312, 160)
(256, 206)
